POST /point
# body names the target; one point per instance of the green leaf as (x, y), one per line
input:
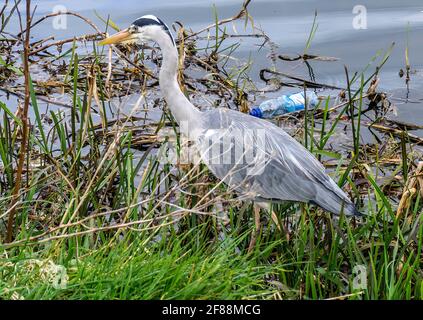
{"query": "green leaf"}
(108, 21)
(328, 154)
(11, 67)
(10, 114)
(37, 114)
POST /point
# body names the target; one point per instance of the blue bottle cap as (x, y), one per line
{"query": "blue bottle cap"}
(256, 112)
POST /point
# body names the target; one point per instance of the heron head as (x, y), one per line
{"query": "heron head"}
(143, 29)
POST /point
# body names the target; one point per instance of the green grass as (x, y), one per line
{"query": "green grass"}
(317, 262)
(98, 219)
(178, 268)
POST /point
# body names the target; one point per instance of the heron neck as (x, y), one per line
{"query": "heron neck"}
(182, 109)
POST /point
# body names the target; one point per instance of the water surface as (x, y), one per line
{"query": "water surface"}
(288, 23)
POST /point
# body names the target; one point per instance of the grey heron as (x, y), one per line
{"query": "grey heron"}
(255, 157)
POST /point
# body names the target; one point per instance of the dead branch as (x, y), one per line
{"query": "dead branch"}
(240, 14)
(71, 13)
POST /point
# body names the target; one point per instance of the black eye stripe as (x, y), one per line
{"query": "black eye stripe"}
(142, 22)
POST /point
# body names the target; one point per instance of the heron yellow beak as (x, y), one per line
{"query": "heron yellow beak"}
(119, 37)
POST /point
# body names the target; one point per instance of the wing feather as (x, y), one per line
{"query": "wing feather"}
(287, 172)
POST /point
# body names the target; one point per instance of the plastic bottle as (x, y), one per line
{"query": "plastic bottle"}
(284, 104)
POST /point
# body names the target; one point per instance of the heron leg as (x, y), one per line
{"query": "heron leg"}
(282, 228)
(257, 229)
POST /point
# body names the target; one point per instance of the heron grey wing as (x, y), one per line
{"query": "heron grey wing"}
(253, 156)
(279, 169)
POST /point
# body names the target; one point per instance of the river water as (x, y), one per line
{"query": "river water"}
(351, 33)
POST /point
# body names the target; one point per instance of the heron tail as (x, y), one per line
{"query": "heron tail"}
(348, 208)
